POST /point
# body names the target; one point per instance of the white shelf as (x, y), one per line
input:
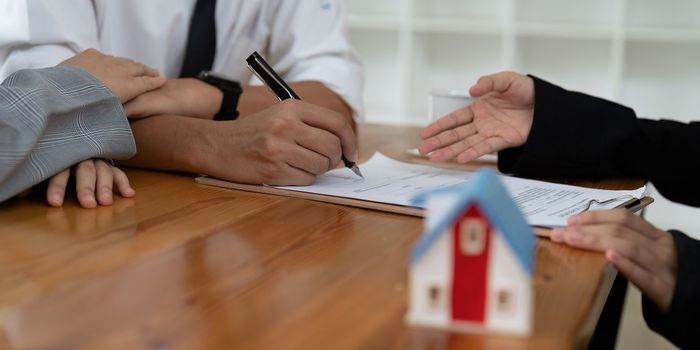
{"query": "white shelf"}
(676, 14)
(662, 35)
(469, 10)
(435, 58)
(376, 21)
(452, 26)
(601, 47)
(558, 30)
(568, 12)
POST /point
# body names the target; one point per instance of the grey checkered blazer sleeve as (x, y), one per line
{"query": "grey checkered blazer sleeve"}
(53, 118)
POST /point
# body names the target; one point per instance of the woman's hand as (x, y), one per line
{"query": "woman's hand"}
(501, 118)
(643, 253)
(94, 183)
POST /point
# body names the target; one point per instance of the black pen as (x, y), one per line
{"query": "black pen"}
(263, 71)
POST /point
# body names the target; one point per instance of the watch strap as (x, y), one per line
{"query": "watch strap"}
(231, 91)
(229, 105)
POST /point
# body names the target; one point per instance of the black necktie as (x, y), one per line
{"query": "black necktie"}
(201, 40)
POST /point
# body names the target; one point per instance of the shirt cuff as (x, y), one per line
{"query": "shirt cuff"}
(344, 76)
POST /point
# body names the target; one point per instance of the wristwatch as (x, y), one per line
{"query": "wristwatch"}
(232, 92)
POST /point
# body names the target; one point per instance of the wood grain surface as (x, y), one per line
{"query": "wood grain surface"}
(187, 266)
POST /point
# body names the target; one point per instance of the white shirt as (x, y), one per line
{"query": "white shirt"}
(303, 40)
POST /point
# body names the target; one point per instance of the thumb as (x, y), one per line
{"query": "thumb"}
(131, 108)
(499, 82)
(147, 83)
(136, 108)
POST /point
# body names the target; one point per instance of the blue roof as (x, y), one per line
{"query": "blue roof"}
(486, 190)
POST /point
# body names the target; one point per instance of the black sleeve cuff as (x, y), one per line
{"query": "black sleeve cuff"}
(572, 134)
(679, 325)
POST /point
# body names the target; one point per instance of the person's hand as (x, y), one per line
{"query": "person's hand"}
(94, 180)
(643, 253)
(126, 78)
(186, 97)
(501, 118)
(286, 144)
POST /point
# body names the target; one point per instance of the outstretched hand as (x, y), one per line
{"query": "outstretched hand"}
(501, 118)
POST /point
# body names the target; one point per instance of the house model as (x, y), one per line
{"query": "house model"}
(471, 270)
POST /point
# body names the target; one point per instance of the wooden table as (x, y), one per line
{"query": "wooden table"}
(186, 266)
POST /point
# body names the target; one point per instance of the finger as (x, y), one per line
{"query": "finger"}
(331, 121)
(133, 109)
(603, 237)
(620, 215)
(307, 160)
(459, 117)
(447, 138)
(104, 182)
(600, 237)
(138, 106)
(557, 234)
(649, 283)
(323, 143)
(137, 69)
(85, 177)
(145, 83)
(469, 148)
(456, 148)
(499, 82)
(56, 189)
(488, 145)
(137, 86)
(122, 183)
(292, 176)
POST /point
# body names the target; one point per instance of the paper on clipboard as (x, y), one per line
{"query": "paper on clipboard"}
(393, 182)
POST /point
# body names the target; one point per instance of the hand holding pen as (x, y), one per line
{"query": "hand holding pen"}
(280, 88)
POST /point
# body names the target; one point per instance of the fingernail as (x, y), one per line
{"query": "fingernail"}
(106, 198)
(90, 201)
(556, 234)
(610, 255)
(572, 220)
(129, 192)
(55, 200)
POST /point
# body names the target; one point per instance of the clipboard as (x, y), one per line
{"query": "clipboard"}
(633, 204)
(351, 202)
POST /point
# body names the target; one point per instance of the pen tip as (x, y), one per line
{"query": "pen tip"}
(355, 169)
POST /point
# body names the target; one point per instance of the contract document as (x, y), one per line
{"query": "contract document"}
(394, 182)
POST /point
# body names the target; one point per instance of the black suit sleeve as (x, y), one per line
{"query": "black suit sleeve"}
(576, 135)
(680, 322)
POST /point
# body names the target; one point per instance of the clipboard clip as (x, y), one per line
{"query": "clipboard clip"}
(631, 202)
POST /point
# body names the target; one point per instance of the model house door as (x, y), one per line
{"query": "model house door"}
(471, 254)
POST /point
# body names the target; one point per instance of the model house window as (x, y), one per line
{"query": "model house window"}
(434, 298)
(472, 236)
(505, 301)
